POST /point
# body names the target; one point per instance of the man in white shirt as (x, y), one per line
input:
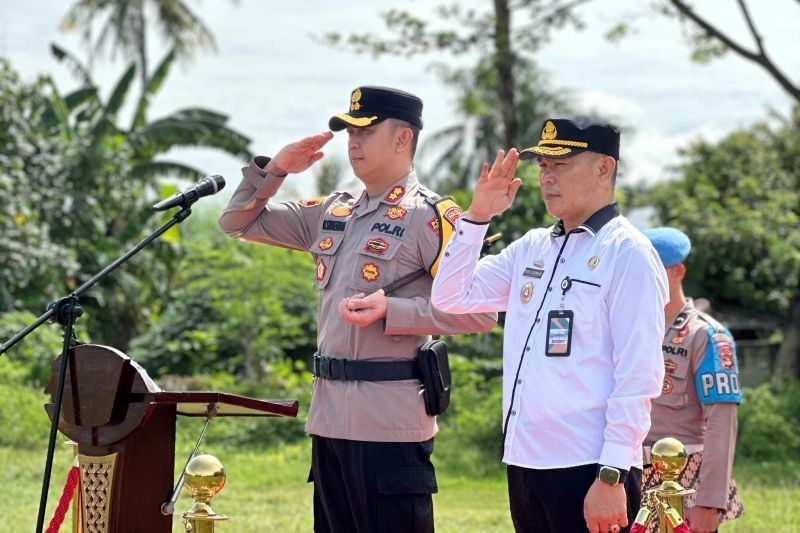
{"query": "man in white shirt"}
(584, 303)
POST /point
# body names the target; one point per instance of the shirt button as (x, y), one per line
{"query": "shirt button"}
(513, 413)
(527, 348)
(460, 232)
(538, 320)
(562, 261)
(447, 254)
(519, 382)
(549, 289)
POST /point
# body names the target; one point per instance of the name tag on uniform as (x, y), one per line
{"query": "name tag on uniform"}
(559, 333)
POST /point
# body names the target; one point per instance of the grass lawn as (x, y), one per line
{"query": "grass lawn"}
(266, 491)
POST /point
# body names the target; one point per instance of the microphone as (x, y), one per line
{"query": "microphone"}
(205, 187)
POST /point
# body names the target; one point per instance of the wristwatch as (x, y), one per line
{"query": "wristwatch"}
(611, 475)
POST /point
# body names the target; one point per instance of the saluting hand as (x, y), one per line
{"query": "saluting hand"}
(298, 156)
(363, 311)
(496, 187)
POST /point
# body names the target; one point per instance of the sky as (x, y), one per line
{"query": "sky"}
(277, 82)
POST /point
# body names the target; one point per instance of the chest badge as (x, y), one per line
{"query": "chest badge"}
(593, 262)
(395, 213)
(325, 243)
(526, 293)
(376, 246)
(433, 225)
(370, 271)
(341, 211)
(666, 388)
(670, 366)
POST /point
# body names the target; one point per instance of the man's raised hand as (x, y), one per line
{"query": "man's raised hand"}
(298, 156)
(496, 187)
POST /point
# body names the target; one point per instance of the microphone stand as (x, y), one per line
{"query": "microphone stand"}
(65, 311)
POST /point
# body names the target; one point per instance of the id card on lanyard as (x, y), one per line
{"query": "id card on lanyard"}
(559, 327)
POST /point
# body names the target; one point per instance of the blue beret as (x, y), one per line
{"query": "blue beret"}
(672, 245)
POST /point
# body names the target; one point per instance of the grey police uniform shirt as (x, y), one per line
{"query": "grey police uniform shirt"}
(360, 244)
(699, 398)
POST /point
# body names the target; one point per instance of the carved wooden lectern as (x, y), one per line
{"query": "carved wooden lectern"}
(125, 429)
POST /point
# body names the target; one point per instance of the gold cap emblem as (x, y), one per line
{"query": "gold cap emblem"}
(354, 100)
(549, 131)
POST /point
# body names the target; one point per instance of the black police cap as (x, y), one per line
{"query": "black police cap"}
(370, 105)
(563, 138)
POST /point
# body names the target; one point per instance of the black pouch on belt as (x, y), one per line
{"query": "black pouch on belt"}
(435, 369)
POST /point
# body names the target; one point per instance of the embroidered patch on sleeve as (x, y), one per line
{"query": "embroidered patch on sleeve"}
(433, 225)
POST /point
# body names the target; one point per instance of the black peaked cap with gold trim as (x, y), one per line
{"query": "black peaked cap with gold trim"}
(563, 138)
(370, 105)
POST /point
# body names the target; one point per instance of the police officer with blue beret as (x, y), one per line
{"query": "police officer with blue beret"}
(699, 396)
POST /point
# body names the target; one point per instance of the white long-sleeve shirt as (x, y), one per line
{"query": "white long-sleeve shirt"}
(592, 406)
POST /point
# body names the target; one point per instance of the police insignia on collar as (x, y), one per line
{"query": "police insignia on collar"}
(325, 243)
(370, 271)
(526, 293)
(670, 366)
(395, 194)
(666, 388)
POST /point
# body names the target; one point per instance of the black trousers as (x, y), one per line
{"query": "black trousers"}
(368, 487)
(551, 501)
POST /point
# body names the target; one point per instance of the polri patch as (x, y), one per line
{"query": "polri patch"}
(452, 214)
(388, 229)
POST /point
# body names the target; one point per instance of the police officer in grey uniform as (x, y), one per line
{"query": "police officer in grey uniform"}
(699, 396)
(371, 437)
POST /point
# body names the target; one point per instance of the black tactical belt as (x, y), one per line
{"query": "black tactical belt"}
(347, 370)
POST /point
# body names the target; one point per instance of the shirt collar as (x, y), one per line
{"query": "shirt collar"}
(392, 196)
(593, 224)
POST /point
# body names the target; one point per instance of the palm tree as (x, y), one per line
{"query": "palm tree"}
(112, 180)
(124, 27)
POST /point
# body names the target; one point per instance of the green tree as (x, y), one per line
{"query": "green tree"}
(240, 308)
(501, 36)
(123, 26)
(89, 196)
(738, 201)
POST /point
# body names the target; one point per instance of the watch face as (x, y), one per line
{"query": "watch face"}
(608, 475)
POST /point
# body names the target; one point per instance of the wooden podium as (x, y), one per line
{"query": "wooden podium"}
(125, 429)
